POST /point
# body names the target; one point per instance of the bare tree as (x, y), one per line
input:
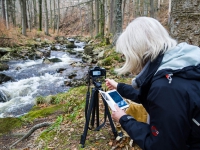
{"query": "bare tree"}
(102, 19)
(92, 19)
(46, 18)
(13, 12)
(3, 11)
(34, 13)
(97, 16)
(54, 14)
(145, 7)
(51, 18)
(6, 13)
(58, 21)
(40, 15)
(29, 14)
(23, 10)
(152, 8)
(119, 16)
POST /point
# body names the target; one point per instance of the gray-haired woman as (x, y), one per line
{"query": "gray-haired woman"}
(168, 86)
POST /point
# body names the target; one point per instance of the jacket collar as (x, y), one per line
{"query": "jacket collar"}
(147, 73)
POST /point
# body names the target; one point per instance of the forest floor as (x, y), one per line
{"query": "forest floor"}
(68, 136)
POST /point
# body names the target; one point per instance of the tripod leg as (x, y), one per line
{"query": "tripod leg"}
(93, 110)
(97, 107)
(83, 136)
(110, 120)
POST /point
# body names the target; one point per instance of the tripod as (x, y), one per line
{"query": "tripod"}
(92, 110)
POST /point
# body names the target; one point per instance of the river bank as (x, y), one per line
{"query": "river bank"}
(65, 112)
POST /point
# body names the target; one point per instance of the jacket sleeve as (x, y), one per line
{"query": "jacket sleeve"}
(127, 91)
(169, 127)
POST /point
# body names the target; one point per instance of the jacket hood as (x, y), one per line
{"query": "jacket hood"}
(183, 60)
(183, 55)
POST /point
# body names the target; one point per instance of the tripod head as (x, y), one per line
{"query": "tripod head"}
(97, 75)
(97, 84)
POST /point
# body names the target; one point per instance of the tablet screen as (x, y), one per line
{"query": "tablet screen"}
(117, 98)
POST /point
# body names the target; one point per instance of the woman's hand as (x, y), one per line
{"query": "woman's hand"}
(116, 115)
(111, 84)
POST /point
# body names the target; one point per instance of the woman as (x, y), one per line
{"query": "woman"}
(168, 86)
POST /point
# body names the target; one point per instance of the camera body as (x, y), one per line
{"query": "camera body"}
(97, 72)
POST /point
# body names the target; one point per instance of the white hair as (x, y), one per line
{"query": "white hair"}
(143, 39)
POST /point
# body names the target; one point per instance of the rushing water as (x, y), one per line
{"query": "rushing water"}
(32, 79)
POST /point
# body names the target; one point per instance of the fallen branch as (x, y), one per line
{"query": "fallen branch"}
(37, 126)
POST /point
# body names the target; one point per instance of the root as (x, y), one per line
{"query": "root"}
(37, 126)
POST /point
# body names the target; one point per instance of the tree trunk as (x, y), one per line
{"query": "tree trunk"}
(54, 14)
(51, 20)
(6, 12)
(40, 15)
(34, 13)
(97, 16)
(13, 13)
(29, 14)
(46, 18)
(3, 11)
(119, 16)
(102, 21)
(92, 19)
(107, 16)
(128, 12)
(112, 16)
(58, 21)
(169, 11)
(123, 11)
(145, 4)
(23, 10)
(152, 8)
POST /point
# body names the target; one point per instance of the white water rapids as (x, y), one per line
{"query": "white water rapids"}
(33, 79)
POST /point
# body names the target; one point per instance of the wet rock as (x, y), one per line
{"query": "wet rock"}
(3, 97)
(4, 51)
(4, 78)
(52, 60)
(77, 64)
(71, 51)
(88, 49)
(70, 45)
(87, 58)
(46, 61)
(38, 55)
(60, 70)
(72, 75)
(55, 60)
(53, 47)
(3, 67)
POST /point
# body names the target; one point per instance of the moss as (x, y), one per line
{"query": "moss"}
(8, 124)
(107, 61)
(68, 102)
(37, 112)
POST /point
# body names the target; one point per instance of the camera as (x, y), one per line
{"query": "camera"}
(97, 72)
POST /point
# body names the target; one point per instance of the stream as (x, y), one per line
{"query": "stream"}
(35, 78)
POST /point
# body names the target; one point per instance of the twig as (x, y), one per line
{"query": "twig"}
(37, 126)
